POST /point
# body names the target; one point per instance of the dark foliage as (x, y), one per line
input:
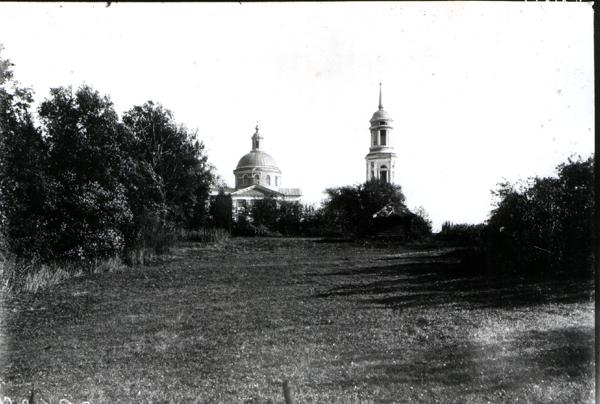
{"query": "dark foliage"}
(167, 177)
(462, 233)
(545, 227)
(86, 206)
(220, 212)
(312, 222)
(245, 226)
(22, 153)
(372, 208)
(265, 212)
(85, 185)
(271, 218)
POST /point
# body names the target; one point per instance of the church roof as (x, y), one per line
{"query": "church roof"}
(381, 114)
(257, 158)
(257, 191)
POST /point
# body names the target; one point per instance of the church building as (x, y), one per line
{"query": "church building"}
(381, 159)
(257, 176)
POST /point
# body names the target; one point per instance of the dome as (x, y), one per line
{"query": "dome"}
(381, 114)
(257, 158)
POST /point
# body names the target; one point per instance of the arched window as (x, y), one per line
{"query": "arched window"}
(374, 139)
(246, 179)
(382, 137)
(268, 179)
(256, 178)
(383, 174)
(276, 181)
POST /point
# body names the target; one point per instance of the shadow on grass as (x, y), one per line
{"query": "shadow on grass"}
(426, 281)
(532, 359)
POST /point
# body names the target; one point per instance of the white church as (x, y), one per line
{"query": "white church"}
(257, 175)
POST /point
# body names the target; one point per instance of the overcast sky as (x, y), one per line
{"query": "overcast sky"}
(479, 92)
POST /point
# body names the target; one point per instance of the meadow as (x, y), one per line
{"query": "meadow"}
(341, 321)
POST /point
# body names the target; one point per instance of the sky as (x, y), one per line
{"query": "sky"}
(480, 92)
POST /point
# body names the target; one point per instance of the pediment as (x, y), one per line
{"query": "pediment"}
(256, 191)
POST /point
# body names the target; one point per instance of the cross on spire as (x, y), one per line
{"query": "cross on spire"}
(256, 138)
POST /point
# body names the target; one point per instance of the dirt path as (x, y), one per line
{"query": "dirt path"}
(342, 322)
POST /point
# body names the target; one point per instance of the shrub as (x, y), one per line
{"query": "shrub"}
(462, 233)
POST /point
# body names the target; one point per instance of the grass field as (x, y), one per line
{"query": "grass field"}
(342, 322)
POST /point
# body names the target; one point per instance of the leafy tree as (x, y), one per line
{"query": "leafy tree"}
(289, 218)
(177, 162)
(545, 226)
(342, 209)
(351, 209)
(86, 206)
(312, 222)
(220, 211)
(265, 212)
(22, 153)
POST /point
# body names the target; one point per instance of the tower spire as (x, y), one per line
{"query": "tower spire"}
(380, 102)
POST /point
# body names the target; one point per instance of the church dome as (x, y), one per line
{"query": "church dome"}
(381, 114)
(257, 158)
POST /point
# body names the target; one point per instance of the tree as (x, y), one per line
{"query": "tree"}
(351, 209)
(265, 212)
(22, 155)
(177, 162)
(289, 218)
(86, 205)
(545, 226)
(221, 212)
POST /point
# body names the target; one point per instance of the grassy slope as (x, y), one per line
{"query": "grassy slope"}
(342, 323)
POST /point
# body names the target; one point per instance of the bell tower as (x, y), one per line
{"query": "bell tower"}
(381, 159)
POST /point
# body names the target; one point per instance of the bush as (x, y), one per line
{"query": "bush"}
(462, 234)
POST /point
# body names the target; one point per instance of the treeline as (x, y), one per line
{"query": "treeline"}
(80, 184)
(358, 211)
(543, 227)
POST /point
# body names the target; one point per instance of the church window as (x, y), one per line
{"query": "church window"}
(246, 179)
(256, 178)
(268, 180)
(383, 174)
(374, 139)
(383, 137)
(276, 181)
(382, 123)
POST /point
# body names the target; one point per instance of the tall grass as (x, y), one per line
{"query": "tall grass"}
(32, 277)
(205, 235)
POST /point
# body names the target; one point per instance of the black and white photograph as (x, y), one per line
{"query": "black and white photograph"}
(303, 202)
